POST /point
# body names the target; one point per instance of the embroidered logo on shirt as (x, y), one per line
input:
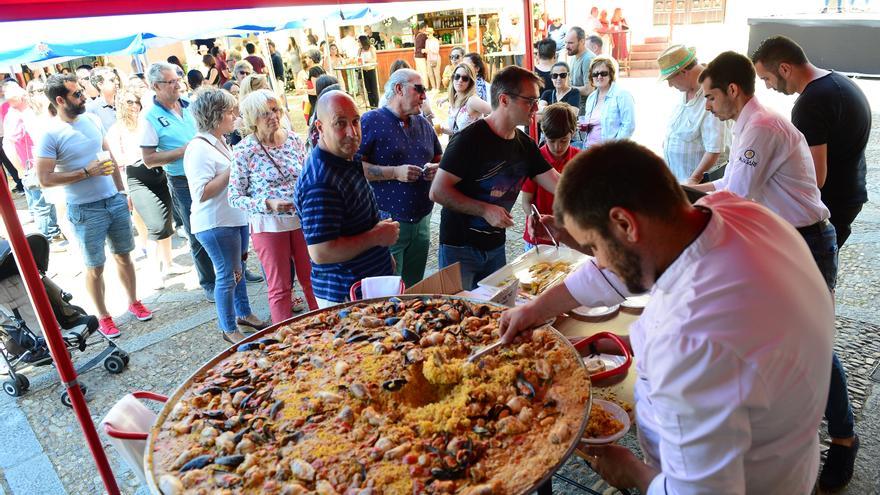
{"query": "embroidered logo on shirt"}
(748, 157)
(164, 122)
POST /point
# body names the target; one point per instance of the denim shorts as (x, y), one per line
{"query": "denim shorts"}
(94, 223)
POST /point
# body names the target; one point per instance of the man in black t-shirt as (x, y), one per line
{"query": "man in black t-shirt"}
(481, 175)
(835, 117)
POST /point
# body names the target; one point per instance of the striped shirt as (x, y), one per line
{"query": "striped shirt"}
(333, 200)
(692, 132)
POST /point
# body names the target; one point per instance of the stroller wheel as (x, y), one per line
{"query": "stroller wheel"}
(114, 363)
(13, 388)
(23, 382)
(65, 396)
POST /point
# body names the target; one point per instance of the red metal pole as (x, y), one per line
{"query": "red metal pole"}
(529, 60)
(27, 268)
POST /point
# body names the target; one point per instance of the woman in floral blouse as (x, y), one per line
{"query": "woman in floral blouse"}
(266, 165)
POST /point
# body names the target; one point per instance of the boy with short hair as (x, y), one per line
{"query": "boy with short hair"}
(559, 123)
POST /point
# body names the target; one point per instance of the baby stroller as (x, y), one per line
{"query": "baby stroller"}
(20, 347)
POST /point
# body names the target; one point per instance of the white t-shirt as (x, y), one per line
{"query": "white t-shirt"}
(202, 161)
(733, 352)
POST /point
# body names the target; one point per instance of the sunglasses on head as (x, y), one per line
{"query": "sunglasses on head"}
(601, 73)
(559, 75)
(462, 77)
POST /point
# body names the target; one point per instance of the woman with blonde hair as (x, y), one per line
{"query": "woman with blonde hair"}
(267, 162)
(147, 187)
(610, 111)
(257, 82)
(465, 106)
(221, 228)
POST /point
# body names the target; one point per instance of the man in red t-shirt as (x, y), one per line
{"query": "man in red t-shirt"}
(558, 125)
(254, 59)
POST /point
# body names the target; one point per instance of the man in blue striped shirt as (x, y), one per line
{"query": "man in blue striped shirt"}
(340, 218)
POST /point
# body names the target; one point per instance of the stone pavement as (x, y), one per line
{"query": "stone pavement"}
(42, 450)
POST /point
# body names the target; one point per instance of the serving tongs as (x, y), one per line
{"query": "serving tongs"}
(537, 214)
(485, 350)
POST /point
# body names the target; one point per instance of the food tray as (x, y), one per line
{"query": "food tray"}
(151, 470)
(519, 267)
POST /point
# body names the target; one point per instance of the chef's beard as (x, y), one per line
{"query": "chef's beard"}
(627, 265)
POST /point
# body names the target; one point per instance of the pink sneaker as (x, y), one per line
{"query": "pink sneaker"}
(140, 311)
(108, 328)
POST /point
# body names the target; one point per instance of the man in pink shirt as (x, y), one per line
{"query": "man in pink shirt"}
(17, 140)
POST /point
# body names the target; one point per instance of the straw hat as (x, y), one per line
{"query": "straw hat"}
(675, 58)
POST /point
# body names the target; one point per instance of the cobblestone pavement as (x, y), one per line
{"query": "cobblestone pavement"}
(42, 449)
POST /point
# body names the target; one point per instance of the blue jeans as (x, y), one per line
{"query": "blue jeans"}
(225, 246)
(476, 264)
(182, 203)
(838, 411)
(43, 212)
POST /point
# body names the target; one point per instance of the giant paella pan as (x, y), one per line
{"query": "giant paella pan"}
(375, 397)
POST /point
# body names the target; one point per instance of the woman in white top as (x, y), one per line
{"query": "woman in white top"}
(465, 107)
(147, 188)
(220, 228)
(367, 55)
(266, 165)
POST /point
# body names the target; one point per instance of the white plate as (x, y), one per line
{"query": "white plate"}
(618, 414)
(596, 312)
(636, 302)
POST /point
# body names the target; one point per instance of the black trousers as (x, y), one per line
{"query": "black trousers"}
(842, 218)
(10, 168)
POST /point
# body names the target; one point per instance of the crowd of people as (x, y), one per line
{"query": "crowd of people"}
(734, 363)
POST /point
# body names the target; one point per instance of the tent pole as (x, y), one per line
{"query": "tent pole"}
(529, 60)
(37, 293)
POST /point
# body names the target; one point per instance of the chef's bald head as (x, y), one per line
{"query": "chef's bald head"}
(339, 124)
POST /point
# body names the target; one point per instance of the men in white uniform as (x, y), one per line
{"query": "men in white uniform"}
(771, 163)
(695, 139)
(734, 346)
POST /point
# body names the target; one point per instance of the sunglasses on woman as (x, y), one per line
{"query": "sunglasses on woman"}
(462, 77)
(559, 75)
(603, 73)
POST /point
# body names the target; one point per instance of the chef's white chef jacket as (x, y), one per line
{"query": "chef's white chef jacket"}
(733, 354)
(770, 163)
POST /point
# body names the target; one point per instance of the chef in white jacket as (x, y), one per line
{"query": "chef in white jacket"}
(732, 351)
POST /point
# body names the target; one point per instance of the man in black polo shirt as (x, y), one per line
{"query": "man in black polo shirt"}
(835, 117)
